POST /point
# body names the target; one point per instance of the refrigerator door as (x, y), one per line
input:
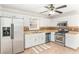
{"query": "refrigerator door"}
(6, 42)
(18, 39)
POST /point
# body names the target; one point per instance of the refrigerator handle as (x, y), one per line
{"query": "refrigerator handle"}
(12, 31)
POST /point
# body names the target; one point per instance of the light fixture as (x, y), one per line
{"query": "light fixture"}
(51, 12)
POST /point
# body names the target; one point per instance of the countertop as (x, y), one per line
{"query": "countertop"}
(41, 31)
(47, 31)
(73, 33)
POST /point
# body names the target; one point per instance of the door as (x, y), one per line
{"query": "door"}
(6, 42)
(18, 39)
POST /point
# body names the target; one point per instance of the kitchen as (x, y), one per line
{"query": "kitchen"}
(33, 32)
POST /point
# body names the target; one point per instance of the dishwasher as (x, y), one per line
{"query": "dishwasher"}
(48, 37)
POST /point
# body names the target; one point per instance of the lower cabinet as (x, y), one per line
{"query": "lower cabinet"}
(28, 41)
(52, 36)
(34, 39)
(72, 41)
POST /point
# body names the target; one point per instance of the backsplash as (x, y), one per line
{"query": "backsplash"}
(48, 28)
(74, 28)
(26, 28)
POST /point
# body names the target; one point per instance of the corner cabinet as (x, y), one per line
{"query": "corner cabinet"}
(34, 39)
(72, 41)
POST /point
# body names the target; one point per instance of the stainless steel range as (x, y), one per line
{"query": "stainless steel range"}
(60, 38)
(60, 34)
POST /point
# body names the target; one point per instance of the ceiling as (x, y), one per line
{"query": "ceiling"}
(37, 8)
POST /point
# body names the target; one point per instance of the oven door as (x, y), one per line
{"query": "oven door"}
(59, 37)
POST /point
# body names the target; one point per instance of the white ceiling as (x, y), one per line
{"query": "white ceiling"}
(37, 8)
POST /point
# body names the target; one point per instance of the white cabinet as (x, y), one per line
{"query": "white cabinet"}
(34, 24)
(34, 39)
(41, 38)
(72, 41)
(28, 41)
(52, 36)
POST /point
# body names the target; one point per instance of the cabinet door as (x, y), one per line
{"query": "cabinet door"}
(39, 38)
(70, 41)
(33, 40)
(28, 41)
(36, 39)
(52, 36)
(43, 38)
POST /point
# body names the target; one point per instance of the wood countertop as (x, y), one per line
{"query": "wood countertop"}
(40, 31)
(73, 33)
(45, 31)
(72, 30)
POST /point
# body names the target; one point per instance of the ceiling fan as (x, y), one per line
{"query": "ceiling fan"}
(52, 9)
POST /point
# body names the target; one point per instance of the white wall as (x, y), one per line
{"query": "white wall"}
(43, 22)
(0, 11)
(71, 16)
(27, 16)
(73, 20)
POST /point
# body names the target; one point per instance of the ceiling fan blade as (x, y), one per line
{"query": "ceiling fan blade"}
(63, 6)
(46, 7)
(58, 11)
(43, 11)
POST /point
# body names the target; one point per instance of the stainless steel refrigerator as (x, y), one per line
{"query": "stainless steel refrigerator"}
(11, 35)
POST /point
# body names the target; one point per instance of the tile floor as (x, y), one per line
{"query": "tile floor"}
(50, 48)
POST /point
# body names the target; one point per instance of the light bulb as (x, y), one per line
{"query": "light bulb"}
(51, 12)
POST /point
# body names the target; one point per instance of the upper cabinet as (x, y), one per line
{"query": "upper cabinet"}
(34, 24)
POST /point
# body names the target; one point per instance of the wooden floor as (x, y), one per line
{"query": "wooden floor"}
(50, 48)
